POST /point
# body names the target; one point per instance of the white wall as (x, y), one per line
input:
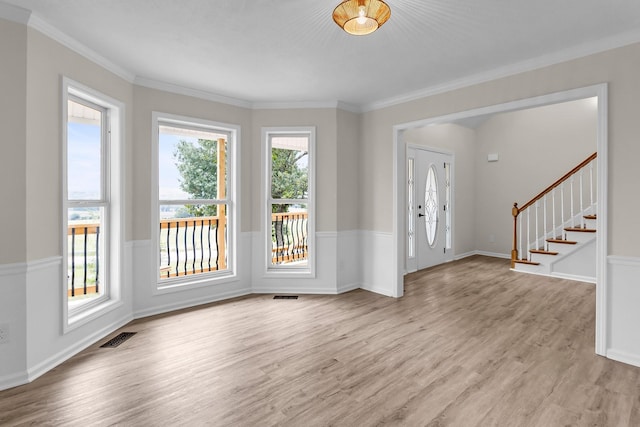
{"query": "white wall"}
(13, 80)
(13, 104)
(536, 147)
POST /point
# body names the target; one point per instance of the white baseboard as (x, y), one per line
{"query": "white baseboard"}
(348, 287)
(483, 253)
(191, 303)
(377, 290)
(13, 380)
(493, 254)
(304, 290)
(56, 359)
(574, 277)
(464, 255)
(623, 357)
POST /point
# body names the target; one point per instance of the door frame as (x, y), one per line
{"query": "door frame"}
(600, 91)
(413, 146)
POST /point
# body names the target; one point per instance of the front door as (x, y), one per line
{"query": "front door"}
(429, 195)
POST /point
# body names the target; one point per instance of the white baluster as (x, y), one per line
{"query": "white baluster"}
(544, 220)
(561, 207)
(536, 242)
(591, 184)
(553, 216)
(520, 235)
(581, 201)
(573, 223)
(528, 231)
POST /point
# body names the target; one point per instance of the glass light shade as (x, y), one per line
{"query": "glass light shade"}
(348, 15)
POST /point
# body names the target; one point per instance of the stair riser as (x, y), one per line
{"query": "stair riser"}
(561, 248)
(544, 259)
(579, 236)
(532, 268)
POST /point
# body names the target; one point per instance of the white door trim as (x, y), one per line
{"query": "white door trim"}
(399, 172)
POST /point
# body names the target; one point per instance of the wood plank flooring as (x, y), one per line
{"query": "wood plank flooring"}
(470, 344)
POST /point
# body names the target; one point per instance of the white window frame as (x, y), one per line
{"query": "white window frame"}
(288, 271)
(112, 201)
(178, 284)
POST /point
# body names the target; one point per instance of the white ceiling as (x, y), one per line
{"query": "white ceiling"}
(291, 50)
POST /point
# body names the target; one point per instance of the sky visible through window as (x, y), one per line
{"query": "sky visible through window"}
(84, 163)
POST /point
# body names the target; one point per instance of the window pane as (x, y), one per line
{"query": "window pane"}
(289, 235)
(84, 165)
(85, 247)
(411, 222)
(431, 206)
(193, 239)
(289, 167)
(188, 164)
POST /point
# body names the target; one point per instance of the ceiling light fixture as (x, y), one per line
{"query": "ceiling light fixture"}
(361, 17)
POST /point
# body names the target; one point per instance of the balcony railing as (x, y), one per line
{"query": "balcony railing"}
(289, 237)
(187, 246)
(84, 259)
(192, 246)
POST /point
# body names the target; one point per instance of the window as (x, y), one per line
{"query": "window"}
(289, 219)
(194, 222)
(91, 201)
(431, 206)
(411, 220)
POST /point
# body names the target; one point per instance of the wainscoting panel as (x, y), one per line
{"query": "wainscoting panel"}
(13, 321)
(623, 311)
(148, 301)
(349, 259)
(376, 268)
(324, 282)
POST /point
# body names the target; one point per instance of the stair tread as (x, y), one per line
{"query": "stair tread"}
(524, 261)
(566, 242)
(590, 217)
(542, 251)
(581, 230)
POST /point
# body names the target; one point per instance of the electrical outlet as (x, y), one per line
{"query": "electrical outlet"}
(492, 238)
(4, 333)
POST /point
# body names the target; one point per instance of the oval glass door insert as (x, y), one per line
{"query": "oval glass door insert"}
(431, 206)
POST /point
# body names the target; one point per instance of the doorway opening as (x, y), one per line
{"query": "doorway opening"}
(401, 149)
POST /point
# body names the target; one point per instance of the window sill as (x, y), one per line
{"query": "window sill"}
(94, 311)
(188, 283)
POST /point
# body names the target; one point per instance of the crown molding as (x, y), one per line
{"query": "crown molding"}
(14, 13)
(50, 31)
(561, 56)
(24, 16)
(196, 93)
(306, 105)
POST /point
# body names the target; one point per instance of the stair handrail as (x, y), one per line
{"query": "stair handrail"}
(515, 210)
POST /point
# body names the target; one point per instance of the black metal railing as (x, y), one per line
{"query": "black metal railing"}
(192, 246)
(289, 234)
(84, 259)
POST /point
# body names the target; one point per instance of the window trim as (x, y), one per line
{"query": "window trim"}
(112, 198)
(232, 202)
(286, 271)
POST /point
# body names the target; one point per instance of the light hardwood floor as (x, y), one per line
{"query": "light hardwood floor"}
(471, 343)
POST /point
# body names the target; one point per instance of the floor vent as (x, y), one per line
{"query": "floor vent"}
(285, 297)
(119, 339)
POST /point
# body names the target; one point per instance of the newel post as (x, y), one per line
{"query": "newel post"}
(514, 250)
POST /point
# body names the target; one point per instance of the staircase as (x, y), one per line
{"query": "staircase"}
(554, 234)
